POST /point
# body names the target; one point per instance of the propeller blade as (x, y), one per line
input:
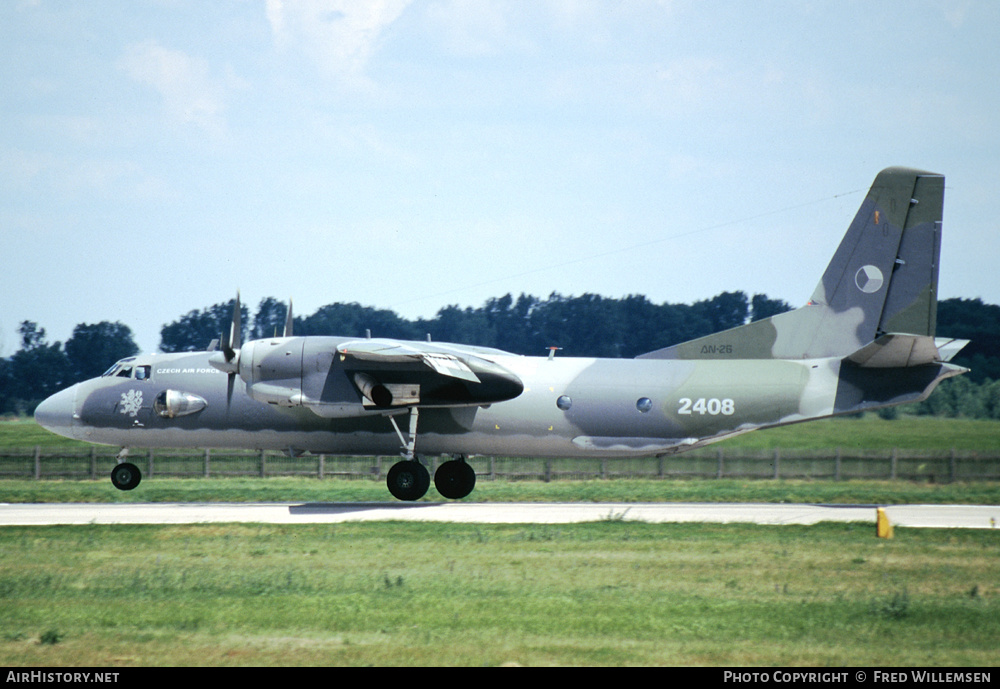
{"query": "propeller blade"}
(231, 341)
(288, 320)
(237, 325)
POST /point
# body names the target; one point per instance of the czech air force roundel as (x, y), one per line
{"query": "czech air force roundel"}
(868, 279)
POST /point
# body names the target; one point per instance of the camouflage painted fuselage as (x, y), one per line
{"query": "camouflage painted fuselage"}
(568, 407)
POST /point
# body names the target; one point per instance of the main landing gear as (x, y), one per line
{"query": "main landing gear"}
(455, 479)
(409, 479)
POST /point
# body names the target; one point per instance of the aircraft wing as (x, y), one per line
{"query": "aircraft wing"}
(391, 352)
(392, 373)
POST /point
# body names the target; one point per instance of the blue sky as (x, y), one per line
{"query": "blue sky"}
(156, 156)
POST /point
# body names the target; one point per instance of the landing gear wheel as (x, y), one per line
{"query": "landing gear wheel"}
(455, 479)
(126, 476)
(408, 480)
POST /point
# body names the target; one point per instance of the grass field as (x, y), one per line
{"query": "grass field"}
(300, 490)
(609, 593)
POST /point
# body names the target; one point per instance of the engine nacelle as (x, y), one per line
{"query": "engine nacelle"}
(272, 370)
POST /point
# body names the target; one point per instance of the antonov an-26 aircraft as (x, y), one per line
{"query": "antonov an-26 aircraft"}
(866, 339)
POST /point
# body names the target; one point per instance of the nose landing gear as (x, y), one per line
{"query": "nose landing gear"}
(126, 476)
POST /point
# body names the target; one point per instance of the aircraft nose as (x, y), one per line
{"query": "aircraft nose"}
(58, 412)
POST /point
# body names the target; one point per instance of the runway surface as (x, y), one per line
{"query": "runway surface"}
(926, 516)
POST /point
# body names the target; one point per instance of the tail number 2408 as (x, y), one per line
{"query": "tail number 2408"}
(713, 406)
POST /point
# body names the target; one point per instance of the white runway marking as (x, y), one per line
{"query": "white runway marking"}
(928, 516)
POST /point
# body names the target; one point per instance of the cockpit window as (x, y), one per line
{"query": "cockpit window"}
(121, 370)
(142, 372)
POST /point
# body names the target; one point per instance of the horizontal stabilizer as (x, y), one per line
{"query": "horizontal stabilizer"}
(902, 350)
(948, 347)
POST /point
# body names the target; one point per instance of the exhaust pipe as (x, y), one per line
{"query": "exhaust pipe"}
(377, 393)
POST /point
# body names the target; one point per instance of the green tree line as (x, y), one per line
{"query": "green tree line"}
(585, 325)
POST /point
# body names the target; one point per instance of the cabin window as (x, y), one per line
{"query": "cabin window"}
(564, 402)
(644, 404)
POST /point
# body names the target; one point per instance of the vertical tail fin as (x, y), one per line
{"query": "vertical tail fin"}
(882, 279)
(887, 264)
